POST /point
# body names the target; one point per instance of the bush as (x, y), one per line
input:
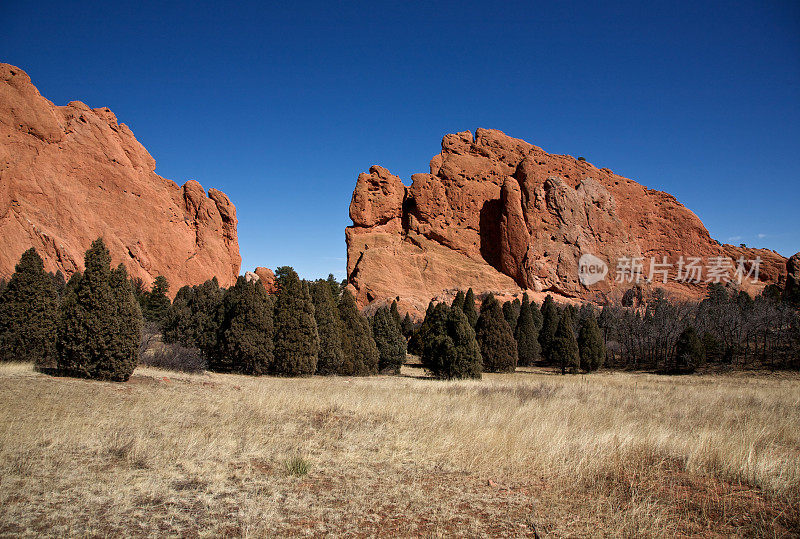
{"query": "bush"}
(689, 353)
(154, 352)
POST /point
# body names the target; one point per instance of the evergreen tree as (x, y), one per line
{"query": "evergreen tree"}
(29, 313)
(416, 342)
(497, 344)
(395, 314)
(73, 282)
(469, 308)
(156, 302)
(526, 334)
(564, 349)
(390, 342)
(547, 334)
(452, 351)
(176, 326)
(126, 341)
(360, 352)
(92, 341)
(59, 282)
(590, 344)
(245, 334)
(511, 312)
(458, 301)
(329, 328)
(296, 337)
(407, 326)
(689, 352)
(430, 335)
(203, 328)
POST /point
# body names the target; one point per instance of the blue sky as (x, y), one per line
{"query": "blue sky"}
(282, 105)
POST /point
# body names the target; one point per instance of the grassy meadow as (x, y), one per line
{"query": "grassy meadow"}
(524, 454)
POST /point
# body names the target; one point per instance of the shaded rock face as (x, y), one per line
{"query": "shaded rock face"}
(71, 174)
(498, 214)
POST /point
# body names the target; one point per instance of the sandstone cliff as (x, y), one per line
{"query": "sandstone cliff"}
(70, 174)
(498, 214)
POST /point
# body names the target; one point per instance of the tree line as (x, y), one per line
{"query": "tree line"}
(92, 326)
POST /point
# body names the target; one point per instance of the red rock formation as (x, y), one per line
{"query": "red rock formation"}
(498, 214)
(71, 174)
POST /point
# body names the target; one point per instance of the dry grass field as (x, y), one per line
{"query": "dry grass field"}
(609, 454)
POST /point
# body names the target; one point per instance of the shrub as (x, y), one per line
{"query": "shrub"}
(689, 353)
(296, 337)
(154, 352)
(497, 344)
(29, 314)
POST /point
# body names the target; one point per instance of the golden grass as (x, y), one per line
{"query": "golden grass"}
(206, 455)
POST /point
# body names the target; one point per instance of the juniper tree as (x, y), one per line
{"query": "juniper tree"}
(59, 282)
(547, 334)
(329, 329)
(511, 312)
(157, 302)
(526, 334)
(689, 352)
(430, 334)
(591, 347)
(390, 342)
(360, 352)
(176, 325)
(129, 314)
(29, 313)
(92, 341)
(458, 301)
(452, 351)
(203, 327)
(416, 342)
(497, 344)
(564, 349)
(407, 326)
(296, 337)
(469, 308)
(245, 333)
(395, 314)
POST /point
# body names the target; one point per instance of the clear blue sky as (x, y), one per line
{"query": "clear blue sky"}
(282, 105)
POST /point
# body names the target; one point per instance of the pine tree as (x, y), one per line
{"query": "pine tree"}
(452, 351)
(689, 352)
(245, 334)
(29, 314)
(591, 347)
(390, 342)
(156, 302)
(360, 352)
(469, 308)
(296, 337)
(329, 328)
(564, 349)
(526, 334)
(92, 341)
(547, 334)
(498, 347)
(335, 287)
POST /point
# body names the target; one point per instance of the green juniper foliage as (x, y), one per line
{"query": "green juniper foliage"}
(329, 328)
(296, 337)
(547, 333)
(395, 314)
(29, 313)
(469, 308)
(458, 301)
(360, 352)
(527, 334)
(452, 351)
(416, 342)
(590, 344)
(389, 340)
(100, 327)
(511, 312)
(59, 282)
(564, 350)
(497, 344)
(407, 326)
(245, 334)
(156, 302)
